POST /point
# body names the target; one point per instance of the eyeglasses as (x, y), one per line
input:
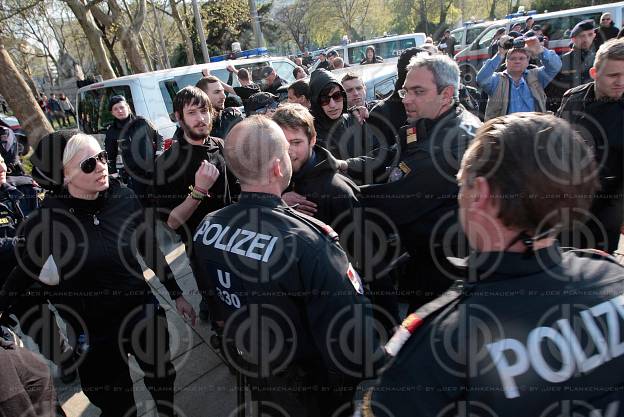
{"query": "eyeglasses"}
(337, 97)
(88, 165)
(403, 92)
(265, 109)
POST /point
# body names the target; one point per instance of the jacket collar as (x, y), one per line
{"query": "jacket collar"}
(260, 199)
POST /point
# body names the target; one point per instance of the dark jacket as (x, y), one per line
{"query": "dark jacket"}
(320, 182)
(574, 71)
(601, 123)
(275, 85)
(344, 137)
(175, 176)
(376, 60)
(524, 304)
(92, 244)
(139, 143)
(225, 121)
(420, 201)
(604, 34)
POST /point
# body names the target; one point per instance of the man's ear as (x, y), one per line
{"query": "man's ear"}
(276, 168)
(177, 116)
(593, 72)
(479, 195)
(313, 140)
(447, 93)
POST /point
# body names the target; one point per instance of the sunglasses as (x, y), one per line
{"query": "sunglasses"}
(88, 165)
(324, 100)
(265, 109)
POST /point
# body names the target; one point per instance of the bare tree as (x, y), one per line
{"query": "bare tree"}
(94, 36)
(184, 32)
(296, 19)
(351, 13)
(127, 32)
(21, 100)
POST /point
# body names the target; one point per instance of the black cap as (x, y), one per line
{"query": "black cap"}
(529, 34)
(47, 159)
(332, 53)
(536, 28)
(114, 100)
(582, 26)
(258, 101)
(514, 34)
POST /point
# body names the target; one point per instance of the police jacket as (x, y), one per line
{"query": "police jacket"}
(175, 177)
(10, 216)
(272, 265)
(319, 181)
(601, 123)
(538, 334)
(225, 121)
(344, 137)
(139, 143)
(419, 202)
(575, 67)
(91, 244)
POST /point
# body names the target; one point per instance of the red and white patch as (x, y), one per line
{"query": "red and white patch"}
(355, 279)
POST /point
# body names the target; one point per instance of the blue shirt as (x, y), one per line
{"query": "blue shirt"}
(520, 97)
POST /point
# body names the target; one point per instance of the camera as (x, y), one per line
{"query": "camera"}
(518, 43)
(506, 42)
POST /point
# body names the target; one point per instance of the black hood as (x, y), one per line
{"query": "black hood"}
(320, 79)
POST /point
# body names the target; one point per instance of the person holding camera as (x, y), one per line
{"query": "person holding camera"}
(517, 88)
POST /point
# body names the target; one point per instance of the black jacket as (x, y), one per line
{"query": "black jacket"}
(518, 342)
(604, 34)
(320, 183)
(344, 137)
(601, 123)
(419, 204)
(139, 143)
(270, 264)
(92, 244)
(574, 71)
(175, 176)
(225, 121)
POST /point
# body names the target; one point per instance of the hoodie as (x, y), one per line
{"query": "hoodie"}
(344, 137)
(319, 181)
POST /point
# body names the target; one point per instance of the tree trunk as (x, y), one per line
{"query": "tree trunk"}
(94, 37)
(493, 10)
(21, 100)
(188, 43)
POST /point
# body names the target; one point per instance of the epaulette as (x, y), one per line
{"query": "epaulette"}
(324, 229)
(577, 89)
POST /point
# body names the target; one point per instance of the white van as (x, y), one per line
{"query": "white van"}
(150, 94)
(555, 25)
(387, 47)
(466, 34)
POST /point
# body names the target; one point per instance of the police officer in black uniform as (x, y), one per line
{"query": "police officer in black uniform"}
(575, 64)
(532, 331)
(296, 322)
(419, 200)
(596, 110)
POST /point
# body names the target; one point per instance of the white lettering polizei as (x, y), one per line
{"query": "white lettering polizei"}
(573, 361)
(254, 245)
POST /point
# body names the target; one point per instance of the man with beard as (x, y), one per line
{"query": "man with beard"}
(191, 176)
(223, 119)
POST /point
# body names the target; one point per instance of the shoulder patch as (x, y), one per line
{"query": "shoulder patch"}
(355, 279)
(411, 135)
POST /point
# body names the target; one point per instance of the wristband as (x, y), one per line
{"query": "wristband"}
(197, 196)
(200, 190)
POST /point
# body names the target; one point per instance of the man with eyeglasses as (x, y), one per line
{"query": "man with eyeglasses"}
(607, 30)
(419, 199)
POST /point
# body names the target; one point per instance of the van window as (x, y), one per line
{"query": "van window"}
(459, 36)
(472, 33)
(385, 88)
(284, 69)
(384, 49)
(486, 39)
(557, 28)
(93, 114)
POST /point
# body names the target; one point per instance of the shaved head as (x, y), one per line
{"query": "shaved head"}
(254, 148)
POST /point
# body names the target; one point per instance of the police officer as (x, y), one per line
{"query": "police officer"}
(596, 109)
(419, 199)
(532, 331)
(290, 299)
(575, 64)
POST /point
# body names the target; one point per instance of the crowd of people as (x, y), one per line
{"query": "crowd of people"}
(410, 254)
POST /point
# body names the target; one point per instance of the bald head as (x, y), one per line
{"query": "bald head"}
(256, 151)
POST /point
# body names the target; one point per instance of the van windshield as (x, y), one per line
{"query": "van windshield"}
(385, 49)
(93, 114)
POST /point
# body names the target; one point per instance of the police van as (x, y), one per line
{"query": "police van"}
(469, 31)
(556, 26)
(150, 94)
(387, 47)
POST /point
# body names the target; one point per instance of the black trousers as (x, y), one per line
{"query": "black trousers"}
(104, 370)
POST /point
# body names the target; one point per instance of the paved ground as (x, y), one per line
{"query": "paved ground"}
(204, 386)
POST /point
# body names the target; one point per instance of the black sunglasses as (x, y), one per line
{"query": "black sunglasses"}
(88, 165)
(324, 100)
